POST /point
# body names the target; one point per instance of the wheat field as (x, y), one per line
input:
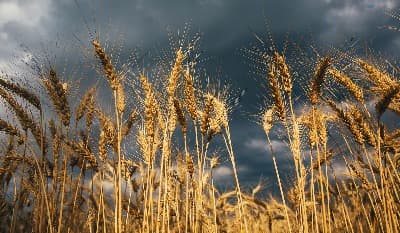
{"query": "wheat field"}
(64, 167)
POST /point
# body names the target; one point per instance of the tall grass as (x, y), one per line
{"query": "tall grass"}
(69, 171)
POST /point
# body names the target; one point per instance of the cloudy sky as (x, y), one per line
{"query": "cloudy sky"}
(226, 26)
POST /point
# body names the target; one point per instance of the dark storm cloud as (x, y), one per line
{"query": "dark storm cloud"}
(226, 26)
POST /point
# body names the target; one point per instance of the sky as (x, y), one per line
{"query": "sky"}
(226, 27)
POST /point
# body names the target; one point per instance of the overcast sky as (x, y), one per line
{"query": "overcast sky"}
(226, 26)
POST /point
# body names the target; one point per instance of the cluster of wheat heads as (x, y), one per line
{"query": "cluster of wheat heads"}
(346, 129)
(68, 172)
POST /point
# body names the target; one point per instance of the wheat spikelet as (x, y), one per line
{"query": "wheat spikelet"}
(284, 71)
(180, 115)
(312, 126)
(144, 147)
(128, 125)
(58, 96)
(364, 127)
(149, 106)
(107, 126)
(190, 97)
(172, 117)
(176, 70)
(316, 121)
(214, 128)
(108, 68)
(376, 76)
(361, 176)
(221, 112)
(267, 120)
(205, 115)
(24, 118)
(90, 111)
(102, 146)
(86, 102)
(120, 98)
(22, 92)
(318, 79)
(276, 92)
(343, 79)
(349, 121)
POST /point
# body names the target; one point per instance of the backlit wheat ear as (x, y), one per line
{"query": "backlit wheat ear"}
(107, 125)
(364, 126)
(180, 115)
(91, 110)
(129, 123)
(22, 92)
(376, 76)
(85, 103)
(284, 71)
(24, 118)
(120, 98)
(318, 79)
(149, 106)
(221, 112)
(276, 92)
(102, 146)
(360, 175)
(315, 121)
(348, 120)
(58, 96)
(267, 120)
(108, 68)
(172, 118)
(343, 79)
(205, 115)
(190, 97)
(176, 70)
